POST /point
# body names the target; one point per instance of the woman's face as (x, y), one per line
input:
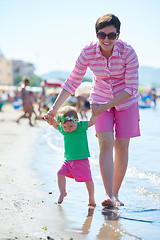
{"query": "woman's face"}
(107, 44)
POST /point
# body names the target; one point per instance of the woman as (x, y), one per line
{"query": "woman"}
(114, 96)
(26, 101)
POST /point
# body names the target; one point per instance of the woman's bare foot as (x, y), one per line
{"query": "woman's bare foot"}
(117, 202)
(107, 203)
(61, 197)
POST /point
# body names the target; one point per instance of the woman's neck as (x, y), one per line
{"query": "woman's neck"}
(106, 54)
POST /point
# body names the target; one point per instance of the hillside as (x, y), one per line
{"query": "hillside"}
(147, 76)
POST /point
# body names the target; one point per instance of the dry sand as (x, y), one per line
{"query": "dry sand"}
(24, 211)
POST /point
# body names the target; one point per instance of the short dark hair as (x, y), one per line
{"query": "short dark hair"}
(25, 80)
(108, 20)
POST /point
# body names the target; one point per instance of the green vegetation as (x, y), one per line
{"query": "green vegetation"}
(18, 79)
(34, 80)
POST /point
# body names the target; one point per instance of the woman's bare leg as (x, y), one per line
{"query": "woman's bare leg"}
(120, 165)
(20, 117)
(90, 188)
(62, 187)
(29, 117)
(106, 143)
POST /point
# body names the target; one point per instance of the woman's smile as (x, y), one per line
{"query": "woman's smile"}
(106, 44)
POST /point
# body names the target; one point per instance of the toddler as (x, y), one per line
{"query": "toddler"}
(76, 164)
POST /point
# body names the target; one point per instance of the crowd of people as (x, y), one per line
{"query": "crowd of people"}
(36, 103)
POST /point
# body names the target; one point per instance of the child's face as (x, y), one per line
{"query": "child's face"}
(69, 126)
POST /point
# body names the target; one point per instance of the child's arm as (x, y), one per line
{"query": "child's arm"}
(53, 122)
(92, 120)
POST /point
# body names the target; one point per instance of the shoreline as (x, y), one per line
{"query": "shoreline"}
(25, 212)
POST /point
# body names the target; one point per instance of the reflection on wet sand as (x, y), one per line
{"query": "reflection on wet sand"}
(85, 229)
(87, 224)
(111, 228)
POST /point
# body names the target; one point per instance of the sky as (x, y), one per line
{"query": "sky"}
(51, 33)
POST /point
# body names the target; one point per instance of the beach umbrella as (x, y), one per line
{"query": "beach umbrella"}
(84, 88)
(53, 90)
(53, 83)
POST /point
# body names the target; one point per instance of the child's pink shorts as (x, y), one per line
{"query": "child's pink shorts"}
(77, 169)
(125, 122)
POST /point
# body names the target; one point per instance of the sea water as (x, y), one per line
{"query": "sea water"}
(140, 191)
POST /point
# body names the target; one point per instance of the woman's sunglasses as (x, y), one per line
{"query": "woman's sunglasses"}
(111, 36)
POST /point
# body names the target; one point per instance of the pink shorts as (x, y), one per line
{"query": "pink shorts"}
(125, 122)
(77, 169)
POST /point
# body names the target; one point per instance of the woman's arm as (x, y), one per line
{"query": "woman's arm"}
(98, 108)
(70, 85)
(62, 97)
(54, 123)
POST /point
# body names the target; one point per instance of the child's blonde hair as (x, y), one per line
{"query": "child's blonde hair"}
(68, 111)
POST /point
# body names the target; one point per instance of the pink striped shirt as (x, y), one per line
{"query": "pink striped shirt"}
(110, 77)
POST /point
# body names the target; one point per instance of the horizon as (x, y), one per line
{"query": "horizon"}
(62, 70)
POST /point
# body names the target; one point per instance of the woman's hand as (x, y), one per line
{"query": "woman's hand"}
(98, 108)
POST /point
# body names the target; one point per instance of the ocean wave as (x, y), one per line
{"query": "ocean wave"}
(136, 173)
(145, 192)
(54, 142)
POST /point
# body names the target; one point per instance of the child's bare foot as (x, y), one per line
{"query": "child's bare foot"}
(61, 197)
(107, 203)
(92, 205)
(91, 202)
(117, 202)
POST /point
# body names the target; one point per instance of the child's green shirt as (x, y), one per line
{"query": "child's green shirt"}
(76, 143)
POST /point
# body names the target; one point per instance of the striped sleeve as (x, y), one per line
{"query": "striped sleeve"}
(131, 74)
(76, 76)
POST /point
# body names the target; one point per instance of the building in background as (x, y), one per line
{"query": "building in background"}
(22, 68)
(6, 72)
(10, 69)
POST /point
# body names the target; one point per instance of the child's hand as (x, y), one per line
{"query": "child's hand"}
(51, 120)
(92, 120)
(49, 116)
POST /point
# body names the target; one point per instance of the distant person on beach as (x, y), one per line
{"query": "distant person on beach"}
(26, 101)
(31, 103)
(114, 97)
(76, 164)
(42, 97)
(83, 105)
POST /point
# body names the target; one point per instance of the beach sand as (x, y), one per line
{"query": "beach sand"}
(24, 211)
